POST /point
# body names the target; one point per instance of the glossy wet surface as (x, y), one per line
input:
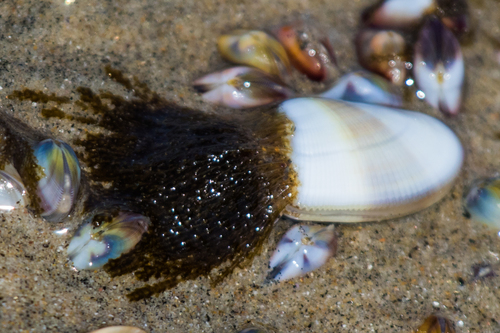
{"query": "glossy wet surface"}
(386, 277)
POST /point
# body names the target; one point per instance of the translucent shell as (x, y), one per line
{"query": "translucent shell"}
(365, 87)
(483, 202)
(12, 190)
(439, 67)
(58, 187)
(255, 48)
(360, 162)
(119, 329)
(314, 58)
(382, 52)
(302, 249)
(102, 239)
(435, 324)
(241, 87)
(398, 13)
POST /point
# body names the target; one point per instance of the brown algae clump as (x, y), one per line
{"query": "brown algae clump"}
(212, 186)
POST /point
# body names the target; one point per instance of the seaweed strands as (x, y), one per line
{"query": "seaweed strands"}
(211, 186)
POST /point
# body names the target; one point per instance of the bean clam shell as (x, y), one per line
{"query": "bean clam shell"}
(359, 162)
(257, 49)
(483, 202)
(241, 87)
(398, 13)
(302, 249)
(99, 240)
(365, 87)
(439, 67)
(12, 190)
(58, 187)
(383, 52)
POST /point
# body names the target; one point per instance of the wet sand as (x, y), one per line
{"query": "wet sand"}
(386, 277)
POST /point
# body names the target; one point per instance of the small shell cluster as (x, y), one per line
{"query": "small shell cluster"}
(266, 65)
(356, 161)
(437, 62)
(382, 46)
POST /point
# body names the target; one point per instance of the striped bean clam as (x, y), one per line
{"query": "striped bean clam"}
(398, 13)
(439, 67)
(106, 237)
(364, 87)
(383, 52)
(257, 49)
(59, 178)
(241, 87)
(483, 202)
(302, 249)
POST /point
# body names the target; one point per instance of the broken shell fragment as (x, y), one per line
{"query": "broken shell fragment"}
(106, 237)
(12, 190)
(439, 67)
(313, 57)
(302, 249)
(436, 324)
(255, 48)
(398, 13)
(483, 202)
(365, 87)
(58, 186)
(241, 87)
(360, 162)
(119, 329)
(383, 52)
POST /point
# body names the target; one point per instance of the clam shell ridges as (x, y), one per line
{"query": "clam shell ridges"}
(358, 162)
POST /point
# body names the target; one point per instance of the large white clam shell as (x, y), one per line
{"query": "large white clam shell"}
(359, 162)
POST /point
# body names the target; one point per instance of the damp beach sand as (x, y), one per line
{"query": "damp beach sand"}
(386, 277)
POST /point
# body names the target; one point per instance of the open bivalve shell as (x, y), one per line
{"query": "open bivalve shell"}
(359, 162)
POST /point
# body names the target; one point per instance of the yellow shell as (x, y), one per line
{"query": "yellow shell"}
(435, 324)
(255, 48)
